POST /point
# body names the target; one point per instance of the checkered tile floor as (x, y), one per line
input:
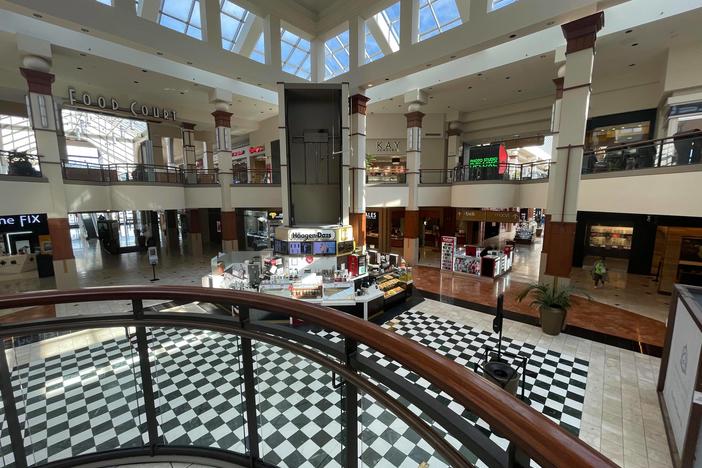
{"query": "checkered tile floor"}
(90, 399)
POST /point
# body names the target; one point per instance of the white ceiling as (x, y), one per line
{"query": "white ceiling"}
(532, 78)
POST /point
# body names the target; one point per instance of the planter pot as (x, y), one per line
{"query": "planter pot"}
(552, 320)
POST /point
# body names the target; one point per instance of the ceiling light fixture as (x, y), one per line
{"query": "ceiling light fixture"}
(136, 82)
(628, 31)
(512, 36)
(37, 15)
(159, 53)
(85, 29)
(634, 44)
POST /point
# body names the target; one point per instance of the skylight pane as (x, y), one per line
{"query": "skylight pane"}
(259, 51)
(105, 2)
(497, 4)
(182, 16)
(382, 33)
(437, 16)
(295, 54)
(336, 55)
(240, 28)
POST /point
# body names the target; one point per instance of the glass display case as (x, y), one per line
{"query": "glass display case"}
(394, 283)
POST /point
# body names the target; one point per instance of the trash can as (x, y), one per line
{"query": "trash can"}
(501, 373)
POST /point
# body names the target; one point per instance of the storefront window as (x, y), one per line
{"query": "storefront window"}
(387, 169)
(373, 228)
(603, 137)
(102, 139)
(609, 241)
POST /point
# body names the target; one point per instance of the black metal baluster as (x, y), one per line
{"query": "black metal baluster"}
(249, 390)
(146, 380)
(351, 407)
(11, 416)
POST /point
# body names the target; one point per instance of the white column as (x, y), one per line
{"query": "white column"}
(345, 155)
(358, 168)
(414, 155)
(223, 156)
(45, 123)
(564, 180)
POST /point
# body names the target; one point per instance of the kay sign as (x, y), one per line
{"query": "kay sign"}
(135, 108)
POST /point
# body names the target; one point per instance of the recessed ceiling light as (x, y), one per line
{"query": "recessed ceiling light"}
(480, 74)
(238, 77)
(453, 56)
(470, 87)
(387, 79)
(628, 31)
(519, 90)
(431, 97)
(85, 29)
(136, 82)
(79, 68)
(37, 15)
(143, 70)
(507, 77)
(634, 44)
(182, 92)
(189, 63)
(258, 84)
(632, 64)
(83, 55)
(512, 36)
(428, 65)
(550, 23)
(159, 53)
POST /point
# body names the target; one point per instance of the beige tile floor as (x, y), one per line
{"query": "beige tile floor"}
(621, 414)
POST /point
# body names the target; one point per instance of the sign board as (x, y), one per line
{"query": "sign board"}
(448, 250)
(470, 215)
(135, 108)
(371, 215)
(37, 223)
(153, 256)
(488, 157)
(502, 216)
(681, 374)
(386, 146)
(685, 109)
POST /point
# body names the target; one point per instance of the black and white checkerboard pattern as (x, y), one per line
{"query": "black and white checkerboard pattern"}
(90, 399)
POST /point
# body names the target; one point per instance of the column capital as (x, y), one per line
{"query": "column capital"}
(358, 104)
(581, 33)
(559, 87)
(222, 118)
(38, 81)
(188, 125)
(414, 119)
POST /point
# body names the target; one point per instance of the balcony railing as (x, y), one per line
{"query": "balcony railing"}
(143, 173)
(537, 170)
(226, 386)
(19, 164)
(681, 150)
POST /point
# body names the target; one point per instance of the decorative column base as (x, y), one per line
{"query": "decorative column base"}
(559, 259)
(358, 224)
(411, 250)
(196, 244)
(229, 241)
(66, 274)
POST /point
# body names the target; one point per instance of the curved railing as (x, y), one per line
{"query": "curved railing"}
(331, 340)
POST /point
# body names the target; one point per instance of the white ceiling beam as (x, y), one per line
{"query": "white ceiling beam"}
(20, 24)
(250, 31)
(148, 9)
(464, 8)
(381, 36)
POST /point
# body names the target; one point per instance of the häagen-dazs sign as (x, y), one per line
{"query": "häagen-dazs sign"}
(136, 109)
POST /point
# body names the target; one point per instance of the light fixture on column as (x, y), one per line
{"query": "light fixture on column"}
(396, 160)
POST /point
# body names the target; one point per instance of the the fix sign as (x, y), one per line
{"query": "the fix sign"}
(20, 220)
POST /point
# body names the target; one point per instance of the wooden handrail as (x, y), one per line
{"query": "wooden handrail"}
(544, 441)
(652, 142)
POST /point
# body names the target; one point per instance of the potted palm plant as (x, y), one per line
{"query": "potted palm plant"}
(553, 304)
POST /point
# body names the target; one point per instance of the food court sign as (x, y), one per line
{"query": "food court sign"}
(136, 108)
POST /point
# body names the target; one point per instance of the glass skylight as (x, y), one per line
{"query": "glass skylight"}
(437, 16)
(336, 55)
(383, 33)
(105, 2)
(259, 51)
(497, 4)
(182, 16)
(295, 54)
